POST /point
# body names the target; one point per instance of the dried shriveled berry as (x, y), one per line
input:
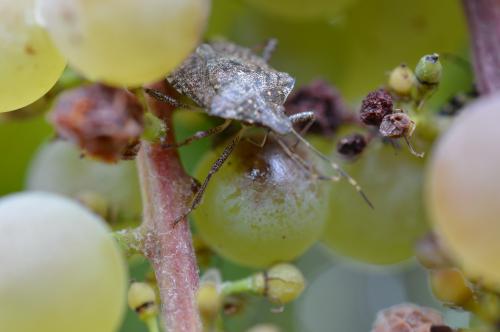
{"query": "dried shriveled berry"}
(407, 317)
(375, 107)
(397, 125)
(322, 99)
(105, 122)
(352, 145)
(441, 328)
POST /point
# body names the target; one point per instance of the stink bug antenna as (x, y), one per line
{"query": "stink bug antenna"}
(336, 167)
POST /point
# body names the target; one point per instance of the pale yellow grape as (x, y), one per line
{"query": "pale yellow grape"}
(463, 185)
(60, 268)
(29, 62)
(57, 167)
(260, 208)
(125, 42)
(303, 9)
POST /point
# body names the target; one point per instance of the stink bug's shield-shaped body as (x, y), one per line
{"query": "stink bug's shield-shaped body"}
(231, 82)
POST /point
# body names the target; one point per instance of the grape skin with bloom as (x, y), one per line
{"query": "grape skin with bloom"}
(143, 42)
(261, 207)
(61, 269)
(30, 64)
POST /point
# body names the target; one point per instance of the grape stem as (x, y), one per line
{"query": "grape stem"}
(152, 324)
(166, 191)
(245, 285)
(483, 17)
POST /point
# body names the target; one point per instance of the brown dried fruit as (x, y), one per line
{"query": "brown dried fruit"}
(375, 107)
(352, 145)
(397, 125)
(441, 328)
(322, 99)
(407, 317)
(105, 122)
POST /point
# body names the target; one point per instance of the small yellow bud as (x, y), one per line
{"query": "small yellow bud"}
(264, 328)
(203, 252)
(450, 286)
(401, 80)
(281, 284)
(209, 300)
(142, 299)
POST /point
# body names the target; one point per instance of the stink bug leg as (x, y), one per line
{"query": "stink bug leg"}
(201, 134)
(215, 167)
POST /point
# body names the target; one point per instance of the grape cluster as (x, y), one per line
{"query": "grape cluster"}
(266, 206)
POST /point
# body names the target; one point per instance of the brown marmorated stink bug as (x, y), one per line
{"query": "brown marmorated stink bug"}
(234, 83)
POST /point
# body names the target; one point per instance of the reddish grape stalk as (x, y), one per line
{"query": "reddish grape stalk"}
(166, 191)
(483, 17)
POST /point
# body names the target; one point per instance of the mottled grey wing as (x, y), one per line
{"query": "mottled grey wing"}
(243, 54)
(249, 107)
(192, 79)
(277, 87)
(222, 71)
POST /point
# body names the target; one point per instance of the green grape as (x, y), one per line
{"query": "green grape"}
(125, 42)
(303, 9)
(29, 63)
(61, 269)
(463, 188)
(260, 208)
(387, 233)
(57, 167)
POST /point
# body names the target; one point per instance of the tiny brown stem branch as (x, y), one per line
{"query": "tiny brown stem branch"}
(484, 25)
(166, 190)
